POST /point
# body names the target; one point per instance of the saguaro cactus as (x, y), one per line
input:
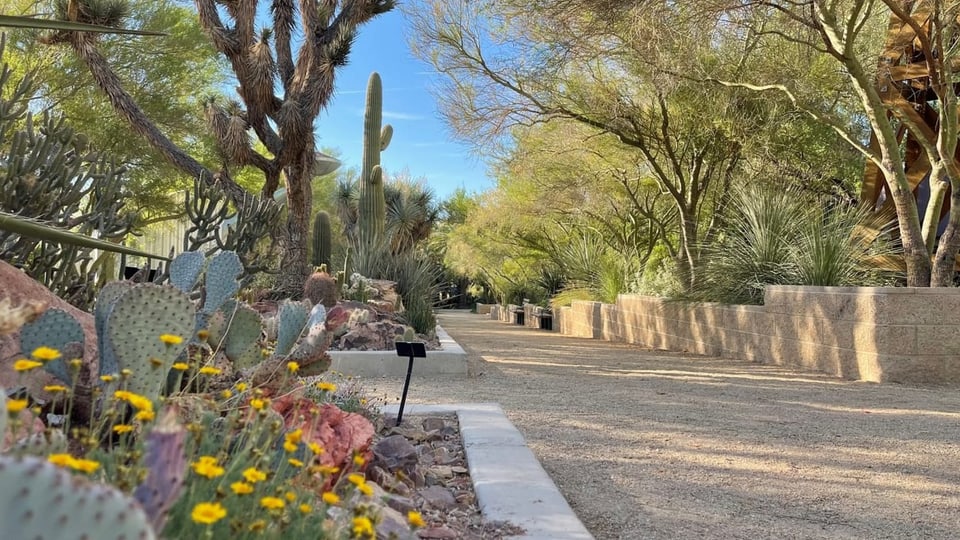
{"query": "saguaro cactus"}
(375, 140)
(321, 239)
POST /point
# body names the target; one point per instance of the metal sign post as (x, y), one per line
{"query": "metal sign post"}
(411, 350)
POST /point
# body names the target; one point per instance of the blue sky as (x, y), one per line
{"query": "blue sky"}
(421, 141)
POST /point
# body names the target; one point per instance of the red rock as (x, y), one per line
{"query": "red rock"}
(21, 288)
(341, 434)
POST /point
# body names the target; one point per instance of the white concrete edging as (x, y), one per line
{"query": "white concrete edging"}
(451, 359)
(510, 483)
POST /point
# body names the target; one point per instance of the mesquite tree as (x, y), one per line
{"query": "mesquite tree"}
(263, 62)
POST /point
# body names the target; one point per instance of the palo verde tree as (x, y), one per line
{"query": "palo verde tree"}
(266, 63)
(509, 65)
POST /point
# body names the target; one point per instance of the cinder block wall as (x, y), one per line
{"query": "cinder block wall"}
(884, 334)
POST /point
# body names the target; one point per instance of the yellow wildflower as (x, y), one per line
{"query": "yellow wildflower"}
(305, 508)
(181, 366)
(106, 378)
(138, 402)
(254, 475)
(324, 469)
(315, 448)
(272, 503)
(358, 460)
(293, 367)
(289, 446)
(202, 335)
(60, 460)
(258, 525)
(327, 386)
(226, 394)
(145, 416)
(290, 496)
(122, 428)
(415, 519)
(241, 488)
(84, 465)
(241, 386)
(16, 405)
(208, 513)
(45, 354)
(365, 489)
(76, 363)
(258, 403)
(207, 466)
(295, 436)
(25, 365)
(171, 339)
(356, 479)
(55, 388)
(209, 370)
(68, 461)
(295, 462)
(126, 372)
(330, 497)
(363, 527)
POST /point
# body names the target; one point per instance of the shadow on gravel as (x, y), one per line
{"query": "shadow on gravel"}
(650, 444)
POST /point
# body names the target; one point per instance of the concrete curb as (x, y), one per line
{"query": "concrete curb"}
(451, 359)
(510, 483)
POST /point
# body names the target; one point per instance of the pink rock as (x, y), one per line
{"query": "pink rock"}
(340, 434)
(20, 288)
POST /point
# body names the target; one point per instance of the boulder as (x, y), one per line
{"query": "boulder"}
(20, 289)
(375, 336)
(340, 434)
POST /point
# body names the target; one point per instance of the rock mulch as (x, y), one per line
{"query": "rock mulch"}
(421, 466)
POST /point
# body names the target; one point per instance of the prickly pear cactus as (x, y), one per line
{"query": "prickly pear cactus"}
(166, 466)
(109, 294)
(242, 341)
(291, 318)
(185, 270)
(221, 281)
(57, 329)
(134, 328)
(42, 501)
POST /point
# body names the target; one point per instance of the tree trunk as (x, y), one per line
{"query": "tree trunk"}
(294, 265)
(944, 263)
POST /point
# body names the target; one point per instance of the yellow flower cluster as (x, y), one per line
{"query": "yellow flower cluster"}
(207, 466)
(361, 483)
(291, 441)
(254, 475)
(143, 405)
(363, 527)
(293, 367)
(415, 519)
(327, 387)
(272, 503)
(70, 462)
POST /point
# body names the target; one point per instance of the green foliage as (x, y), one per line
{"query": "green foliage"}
(780, 237)
(182, 69)
(416, 276)
(61, 199)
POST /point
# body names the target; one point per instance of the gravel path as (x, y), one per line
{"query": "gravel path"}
(651, 444)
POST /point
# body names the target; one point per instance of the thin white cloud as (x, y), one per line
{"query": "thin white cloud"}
(394, 115)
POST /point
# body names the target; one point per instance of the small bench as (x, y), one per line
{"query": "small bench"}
(544, 319)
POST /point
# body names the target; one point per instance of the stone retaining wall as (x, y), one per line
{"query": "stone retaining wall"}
(880, 334)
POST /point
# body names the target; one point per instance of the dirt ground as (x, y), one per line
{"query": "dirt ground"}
(651, 444)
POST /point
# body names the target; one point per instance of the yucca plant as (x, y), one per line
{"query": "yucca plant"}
(783, 237)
